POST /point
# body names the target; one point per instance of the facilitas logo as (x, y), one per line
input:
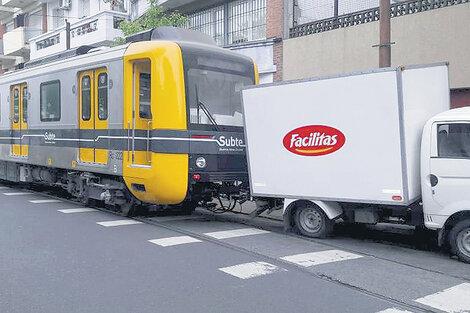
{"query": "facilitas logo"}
(314, 140)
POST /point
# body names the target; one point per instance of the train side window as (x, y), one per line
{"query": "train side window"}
(142, 80)
(145, 96)
(103, 96)
(25, 104)
(86, 98)
(50, 101)
(16, 105)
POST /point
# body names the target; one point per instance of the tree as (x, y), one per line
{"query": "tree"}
(154, 17)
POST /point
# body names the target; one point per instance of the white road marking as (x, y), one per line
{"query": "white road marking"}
(17, 193)
(4, 187)
(236, 233)
(394, 310)
(118, 223)
(321, 257)
(452, 300)
(80, 210)
(250, 270)
(45, 201)
(173, 241)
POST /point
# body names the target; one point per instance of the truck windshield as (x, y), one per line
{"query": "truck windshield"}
(213, 87)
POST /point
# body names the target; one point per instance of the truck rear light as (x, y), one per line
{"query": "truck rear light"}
(196, 177)
(397, 198)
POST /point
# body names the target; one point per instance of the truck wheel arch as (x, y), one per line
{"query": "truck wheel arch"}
(332, 210)
(450, 223)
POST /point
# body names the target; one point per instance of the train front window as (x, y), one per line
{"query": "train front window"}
(213, 87)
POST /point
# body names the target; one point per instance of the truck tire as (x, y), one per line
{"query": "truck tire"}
(312, 222)
(459, 238)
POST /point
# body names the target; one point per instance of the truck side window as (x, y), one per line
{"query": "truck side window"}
(453, 140)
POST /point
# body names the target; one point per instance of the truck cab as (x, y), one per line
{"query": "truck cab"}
(445, 178)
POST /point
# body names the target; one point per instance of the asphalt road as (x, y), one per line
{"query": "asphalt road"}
(53, 260)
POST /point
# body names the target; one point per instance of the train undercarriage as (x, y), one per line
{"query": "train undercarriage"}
(112, 193)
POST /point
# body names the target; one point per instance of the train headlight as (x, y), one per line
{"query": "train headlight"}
(201, 162)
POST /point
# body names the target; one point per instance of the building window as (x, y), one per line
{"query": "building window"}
(10, 26)
(235, 22)
(50, 101)
(34, 24)
(59, 20)
(85, 8)
(210, 22)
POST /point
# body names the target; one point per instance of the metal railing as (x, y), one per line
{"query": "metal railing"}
(370, 15)
(232, 22)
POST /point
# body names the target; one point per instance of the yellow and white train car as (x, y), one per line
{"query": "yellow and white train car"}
(157, 120)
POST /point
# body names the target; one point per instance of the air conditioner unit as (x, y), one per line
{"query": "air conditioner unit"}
(65, 4)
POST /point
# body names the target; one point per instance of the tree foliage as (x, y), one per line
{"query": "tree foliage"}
(154, 17)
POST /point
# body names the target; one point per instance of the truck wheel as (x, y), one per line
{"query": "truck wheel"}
(459, 238)
(311, 221)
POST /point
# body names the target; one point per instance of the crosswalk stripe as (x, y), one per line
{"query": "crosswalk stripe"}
(80, 210)
(454, 299)
(236, 233)
(17, 193)
(45, 201)
(321, 257)
(394, 310)
(250, 270)
(118, 223)
(173, 241)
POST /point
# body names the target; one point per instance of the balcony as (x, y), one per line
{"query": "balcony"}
(7, 61)
(6, 12)
(18, 3)
(14, 42)
(97, 30)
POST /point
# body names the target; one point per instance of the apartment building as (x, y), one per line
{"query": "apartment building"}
(32, 29)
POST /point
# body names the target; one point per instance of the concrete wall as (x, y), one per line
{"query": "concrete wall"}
(426, 37)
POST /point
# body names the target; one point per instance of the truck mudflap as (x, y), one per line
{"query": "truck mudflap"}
(332, 210)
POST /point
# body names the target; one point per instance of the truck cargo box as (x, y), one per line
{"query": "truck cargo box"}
(349, 138)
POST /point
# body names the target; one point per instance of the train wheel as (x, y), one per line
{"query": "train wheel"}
(128, 208)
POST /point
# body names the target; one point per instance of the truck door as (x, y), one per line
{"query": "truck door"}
(93, 108)
(450, 163)
(19, 118)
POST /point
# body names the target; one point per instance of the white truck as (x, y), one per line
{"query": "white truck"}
(369, 147)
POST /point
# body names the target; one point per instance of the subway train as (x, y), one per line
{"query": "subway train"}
(157, 120)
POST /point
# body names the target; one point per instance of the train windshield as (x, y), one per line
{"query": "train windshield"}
(213, 87)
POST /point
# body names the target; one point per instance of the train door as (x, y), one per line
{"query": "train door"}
(142, 114)
(19, 118)
(93, 120)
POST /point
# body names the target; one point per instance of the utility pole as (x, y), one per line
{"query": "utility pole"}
(385, 46)
(67, 34)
